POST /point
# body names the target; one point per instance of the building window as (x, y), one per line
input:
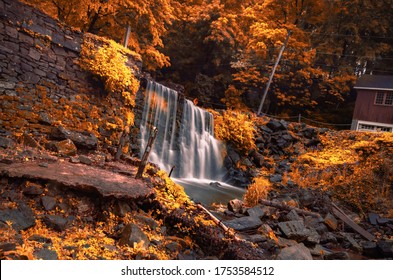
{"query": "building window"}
(370, 127)
(384, 98)
(389, 98)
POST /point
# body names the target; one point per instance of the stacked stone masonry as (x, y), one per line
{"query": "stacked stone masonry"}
(41, 82)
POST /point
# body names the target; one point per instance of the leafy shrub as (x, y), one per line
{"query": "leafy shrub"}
(236, 128)
(259, 189)
(171, 194)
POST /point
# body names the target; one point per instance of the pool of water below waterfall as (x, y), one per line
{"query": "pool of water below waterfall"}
(207, 192)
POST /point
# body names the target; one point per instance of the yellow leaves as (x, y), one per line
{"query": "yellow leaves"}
(224, 29)
(272, 236)
(129, 115)
(355, 167)
(264, 36)
(327, 157)
(109, 63)
(236, 128)
(154, 59)
(111, 126)
(10, 205)
(259, 189)
(129, 99)
(172, 195)
(201, 220)
(233, 99)
(251, 77)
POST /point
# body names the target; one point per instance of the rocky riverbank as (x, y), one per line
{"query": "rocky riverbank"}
(342, 179)
(85, 206)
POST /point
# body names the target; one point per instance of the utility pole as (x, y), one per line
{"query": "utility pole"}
(273, 71)
(127, 36)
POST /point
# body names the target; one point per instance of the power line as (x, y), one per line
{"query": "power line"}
(356, 56)
(300, 117)
(323, 123)
(343, 55)
(347, 35)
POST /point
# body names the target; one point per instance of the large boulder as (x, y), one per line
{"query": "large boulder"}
(235, 205)
(257, 158)
(83, 140)
(294, 230)
(244, 223)
(64, 148)
(276, 125)
(22, 218)
(55, 222)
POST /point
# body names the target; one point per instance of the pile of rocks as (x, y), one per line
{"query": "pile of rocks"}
(290, 235)
(276, 139)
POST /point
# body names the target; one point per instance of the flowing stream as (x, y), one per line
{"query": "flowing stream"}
(185, 141)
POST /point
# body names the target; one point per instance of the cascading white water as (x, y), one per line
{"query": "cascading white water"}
(160, 111)
(189, 145)
(200, 151)
(187, 142)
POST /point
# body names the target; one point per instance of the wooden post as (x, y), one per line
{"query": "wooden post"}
(170, 172)
(272, 74)
(146, 154)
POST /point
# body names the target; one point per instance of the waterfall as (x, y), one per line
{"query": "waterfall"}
(185, 136)
(160, 111)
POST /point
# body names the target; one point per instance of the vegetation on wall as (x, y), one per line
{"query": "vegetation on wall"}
(108, 62)
(147, 20)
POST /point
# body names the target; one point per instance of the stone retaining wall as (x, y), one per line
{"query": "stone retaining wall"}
(41, 82)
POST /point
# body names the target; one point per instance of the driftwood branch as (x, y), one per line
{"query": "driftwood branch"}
(339, 213)
(219, 223)
(289, 208)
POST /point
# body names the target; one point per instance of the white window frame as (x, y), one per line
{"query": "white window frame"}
(384, 98)
(374, 127)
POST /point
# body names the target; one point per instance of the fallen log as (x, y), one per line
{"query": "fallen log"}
(339, 213)
(219, 223)
(288, 208)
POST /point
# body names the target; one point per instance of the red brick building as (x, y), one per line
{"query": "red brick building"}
(374, 104)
